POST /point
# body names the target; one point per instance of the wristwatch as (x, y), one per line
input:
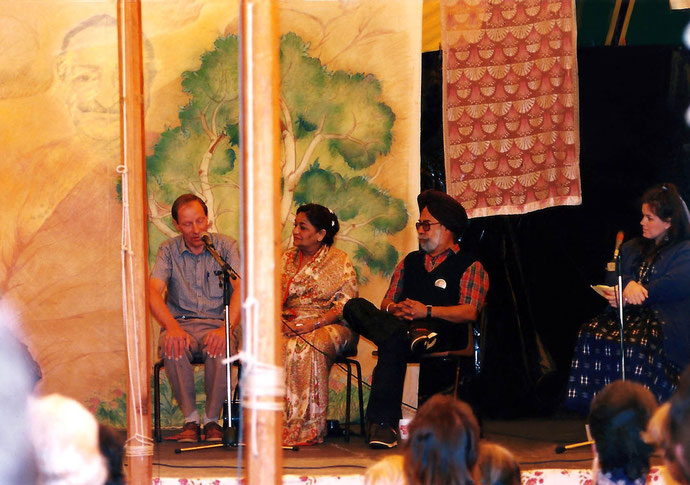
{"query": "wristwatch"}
(428, 311)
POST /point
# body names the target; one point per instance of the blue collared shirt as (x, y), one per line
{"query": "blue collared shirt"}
(194, 290)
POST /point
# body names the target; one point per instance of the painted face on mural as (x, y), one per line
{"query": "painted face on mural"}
(89, 74)
(437, 238)
(191, 222)
(305, 236)
(652, 226)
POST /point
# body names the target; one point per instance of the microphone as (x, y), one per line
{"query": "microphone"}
(619, 241)
(611, 265)
(206, 238)
(562, 449)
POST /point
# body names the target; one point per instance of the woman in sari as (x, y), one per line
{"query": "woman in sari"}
(317, 280)
(656, 299)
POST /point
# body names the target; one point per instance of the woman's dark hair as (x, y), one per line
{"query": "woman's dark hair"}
(617, 416)
(185, 199)
(442, 444)
(321, 218)
(666, 203)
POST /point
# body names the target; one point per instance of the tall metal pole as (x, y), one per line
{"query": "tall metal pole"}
(139, 449)
(260, 165)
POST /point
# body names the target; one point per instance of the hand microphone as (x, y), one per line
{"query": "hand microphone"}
(206, 238)
(611, 265)
(619, 241)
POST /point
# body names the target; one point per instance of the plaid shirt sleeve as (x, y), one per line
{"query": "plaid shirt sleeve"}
(473, 286)
(396, 284)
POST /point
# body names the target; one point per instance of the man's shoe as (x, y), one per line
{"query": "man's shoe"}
(382, 436)
(421, 340)
(213, 432)
(189, 434)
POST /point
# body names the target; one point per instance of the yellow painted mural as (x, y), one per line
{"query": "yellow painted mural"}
(350, 131)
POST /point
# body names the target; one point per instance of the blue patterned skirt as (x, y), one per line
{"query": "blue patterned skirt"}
(597, 358)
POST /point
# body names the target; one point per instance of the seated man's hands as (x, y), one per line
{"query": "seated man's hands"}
(176, 341)
(396, 309)
(410, 309)
(215, 342)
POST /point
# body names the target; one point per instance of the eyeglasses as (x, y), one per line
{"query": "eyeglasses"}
(426, 225)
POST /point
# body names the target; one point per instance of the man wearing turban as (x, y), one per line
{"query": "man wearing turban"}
(433, 294)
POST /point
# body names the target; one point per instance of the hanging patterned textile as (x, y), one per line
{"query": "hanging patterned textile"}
(510, 103)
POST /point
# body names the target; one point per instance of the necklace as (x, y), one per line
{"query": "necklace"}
(433, 260)
(643, 272)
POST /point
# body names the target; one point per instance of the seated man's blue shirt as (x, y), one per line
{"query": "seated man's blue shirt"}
(194, 289)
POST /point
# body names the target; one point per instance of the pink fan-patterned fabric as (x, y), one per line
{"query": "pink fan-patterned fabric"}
(510, 103)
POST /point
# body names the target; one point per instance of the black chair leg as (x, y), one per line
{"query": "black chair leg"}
(457, 379)
(361, 397)
(348, 362)
(157, 402)
(348, 400)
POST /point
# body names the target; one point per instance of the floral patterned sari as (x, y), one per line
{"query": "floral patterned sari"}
(325, 283)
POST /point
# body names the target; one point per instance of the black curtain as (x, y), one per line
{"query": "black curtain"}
(633, 134)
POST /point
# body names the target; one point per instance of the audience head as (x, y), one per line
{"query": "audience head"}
(442, 443)
(658, 434)
(112, 447)
(388, 471)
(667, 204)
(657, 427)
(677, 453)
(16, 452)
(618, 416)
(497, 465)
(65, 438)
(323, 220)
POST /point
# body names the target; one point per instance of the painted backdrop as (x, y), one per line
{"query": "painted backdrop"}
(349, 117)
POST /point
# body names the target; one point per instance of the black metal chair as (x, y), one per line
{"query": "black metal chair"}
(345, 358)
(471, 351)
(157, 435)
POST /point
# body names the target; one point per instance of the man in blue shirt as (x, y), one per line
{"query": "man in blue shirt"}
(192, 314)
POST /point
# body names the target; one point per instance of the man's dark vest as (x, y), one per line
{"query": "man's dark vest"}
(441, 286)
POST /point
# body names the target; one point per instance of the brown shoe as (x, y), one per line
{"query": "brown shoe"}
(189, 434)
(213, 432)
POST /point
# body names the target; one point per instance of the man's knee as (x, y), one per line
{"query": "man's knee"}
(217, 362)
(353, 306)
(358, 310)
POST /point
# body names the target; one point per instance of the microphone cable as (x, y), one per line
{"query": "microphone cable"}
(340, 366)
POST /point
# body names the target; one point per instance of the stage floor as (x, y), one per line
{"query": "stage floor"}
(532, 440)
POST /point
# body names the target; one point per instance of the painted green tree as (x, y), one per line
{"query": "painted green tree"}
(334, 125)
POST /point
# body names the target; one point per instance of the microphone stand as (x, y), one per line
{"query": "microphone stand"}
(619, 272)
(619, 295)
